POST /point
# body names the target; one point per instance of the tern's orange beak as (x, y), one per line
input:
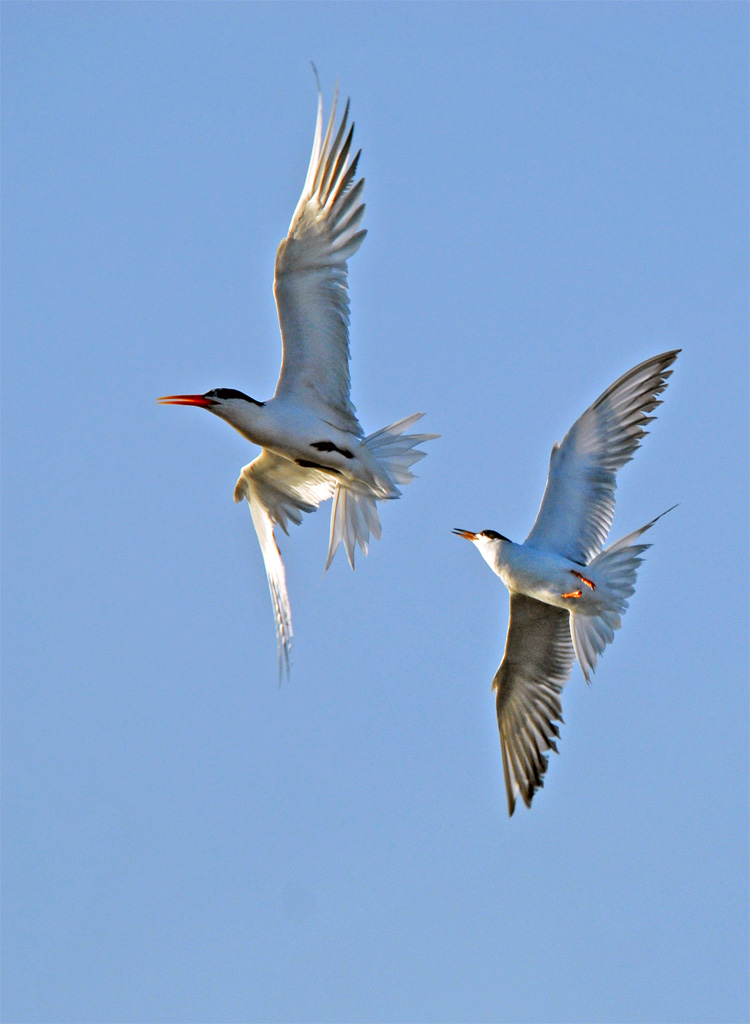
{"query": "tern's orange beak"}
(465, 533)
(199, 400)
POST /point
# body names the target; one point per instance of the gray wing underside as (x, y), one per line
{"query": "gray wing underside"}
(310, 286)
(578, 506)
(535, 667)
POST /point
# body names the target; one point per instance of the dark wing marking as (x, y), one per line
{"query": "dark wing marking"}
(536, 665)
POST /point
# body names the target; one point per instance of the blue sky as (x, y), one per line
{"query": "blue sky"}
(554, 192)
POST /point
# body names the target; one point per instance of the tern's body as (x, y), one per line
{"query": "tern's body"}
(313, 445)
(545, 576)
(299, 434)
(567, 593)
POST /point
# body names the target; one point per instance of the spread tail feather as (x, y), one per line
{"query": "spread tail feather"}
(354, 515)
(616, 567)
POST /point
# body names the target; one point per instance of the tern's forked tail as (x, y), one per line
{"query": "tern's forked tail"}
(354, 516)
(616, 568)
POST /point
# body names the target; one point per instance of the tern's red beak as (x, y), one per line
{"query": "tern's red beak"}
(199, 400)
(465, 533)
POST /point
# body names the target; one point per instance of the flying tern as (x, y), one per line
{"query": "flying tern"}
(313, 446)
(567, 595)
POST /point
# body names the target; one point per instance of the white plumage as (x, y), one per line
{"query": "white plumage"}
(567, 595)
(314, 447)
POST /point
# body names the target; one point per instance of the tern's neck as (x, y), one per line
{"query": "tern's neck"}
(244, 415)
(496, 553)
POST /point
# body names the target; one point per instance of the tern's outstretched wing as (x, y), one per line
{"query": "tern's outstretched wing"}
(310, 286)
(277, 491)
(579, 503)
(538, 659)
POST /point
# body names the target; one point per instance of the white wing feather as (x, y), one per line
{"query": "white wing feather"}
(311, 279)
(278, 490)
(536, 665)
(579, 502)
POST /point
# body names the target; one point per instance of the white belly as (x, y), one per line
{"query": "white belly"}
(550, 578)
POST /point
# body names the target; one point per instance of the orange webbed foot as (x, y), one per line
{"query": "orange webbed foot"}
(584, 580)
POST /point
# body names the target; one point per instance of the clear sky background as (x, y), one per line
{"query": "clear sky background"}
(554, 193)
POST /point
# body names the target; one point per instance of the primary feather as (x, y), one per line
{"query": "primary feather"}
(311, 292)
(579, 501)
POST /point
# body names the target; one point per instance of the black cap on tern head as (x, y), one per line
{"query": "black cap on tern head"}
(225, 393)
(494, 535)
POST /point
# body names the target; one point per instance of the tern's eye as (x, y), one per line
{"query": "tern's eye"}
(493, 535)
